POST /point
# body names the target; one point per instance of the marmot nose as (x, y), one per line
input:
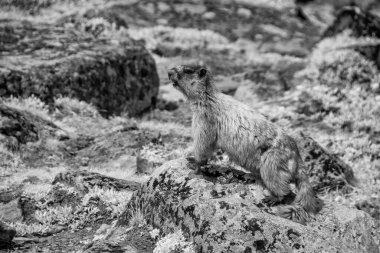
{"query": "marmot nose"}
(171, 73)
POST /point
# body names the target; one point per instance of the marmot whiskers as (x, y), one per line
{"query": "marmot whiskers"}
(248, 137)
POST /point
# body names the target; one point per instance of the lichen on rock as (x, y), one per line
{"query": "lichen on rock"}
(223, 215)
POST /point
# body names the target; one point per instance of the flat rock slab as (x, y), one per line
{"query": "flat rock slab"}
(223, 215)
(84, 180)
(118, 76)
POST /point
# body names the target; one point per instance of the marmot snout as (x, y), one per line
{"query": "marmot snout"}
(191, 80)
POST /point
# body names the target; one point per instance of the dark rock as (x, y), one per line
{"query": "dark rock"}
(23, 126)
(326, 171)
(303, 1)
(111, 16)
(85, 180)
(144, 165)
(370, 50)
(230, 217)
(6, 235)
(272, 80)
(28, 207)
(309, 106)
(13, 123)
(60, 195)
(31, 7)
(116, 76)
(361, 23)
(101, 246)
(167, 105)
(371, 206)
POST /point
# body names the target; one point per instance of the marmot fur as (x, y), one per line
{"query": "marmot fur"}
(248, 137)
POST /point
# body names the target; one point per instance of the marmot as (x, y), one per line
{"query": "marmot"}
(248, 137)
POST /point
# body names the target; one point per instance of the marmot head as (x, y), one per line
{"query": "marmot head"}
(193, 80)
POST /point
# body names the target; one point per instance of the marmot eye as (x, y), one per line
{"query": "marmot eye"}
(188, 71)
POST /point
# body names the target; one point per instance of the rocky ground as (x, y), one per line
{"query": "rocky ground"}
(94, 137)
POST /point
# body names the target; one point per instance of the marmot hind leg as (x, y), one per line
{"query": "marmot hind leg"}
(275, 175)
(278, 168)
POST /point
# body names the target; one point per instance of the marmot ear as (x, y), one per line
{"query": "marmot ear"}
(202, 72)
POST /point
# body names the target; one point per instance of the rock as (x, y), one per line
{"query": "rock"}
(13, 124)
(209, 15)
(61, 195)
(223, 213)
(163, 7)
(100, 246)
(274, 30)
(117, 76)
(371, 206)
(11, 193)
(370, 50)
(326, 171)
(308, 105)
(61, 135)
(28, 207)
(84, 180)
(149, 8)
(244, 13)
(23, 126)
(190, 8)
(162, 21)
(163, 104)
(375, 87)
(6, 235)
(361, 23)
(107, 14)
(174, 242)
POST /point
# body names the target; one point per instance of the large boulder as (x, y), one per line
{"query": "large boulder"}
(116, 75)
(222, 211)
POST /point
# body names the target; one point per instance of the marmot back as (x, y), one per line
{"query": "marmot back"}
(248, 137)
